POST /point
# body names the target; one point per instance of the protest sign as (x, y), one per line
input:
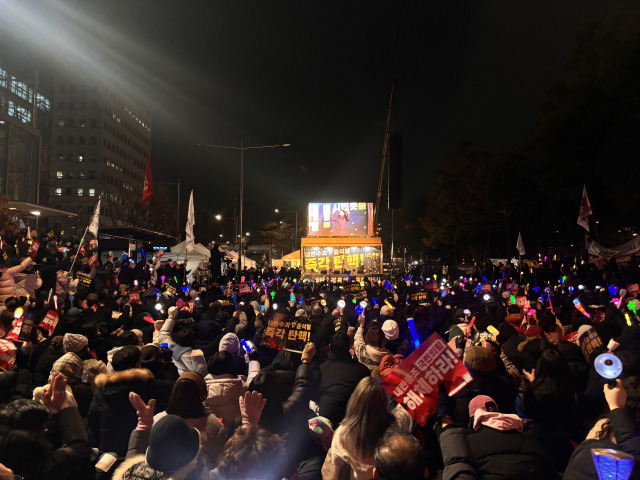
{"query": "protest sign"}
(93, 261)
(415, 382)
(486, 287)
(520, 301)
(419, 297)
(50, 321)
(170, 291)
(590, 344)
(243, 289)
(433, 286)
(84, 279)
(351, 288)
(14, 333)
(159, 253)
(26, 331)
(8, 353)
(285, 333)
(34, 249)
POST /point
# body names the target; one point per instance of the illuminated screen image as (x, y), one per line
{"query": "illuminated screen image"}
(340, 219)
(344, 259)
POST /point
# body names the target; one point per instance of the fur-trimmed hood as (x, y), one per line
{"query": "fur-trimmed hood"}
(124, 376)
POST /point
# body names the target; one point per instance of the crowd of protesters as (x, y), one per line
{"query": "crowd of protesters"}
(112, 368)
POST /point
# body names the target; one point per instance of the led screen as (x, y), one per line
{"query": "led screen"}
(340, 219)
(345, 259)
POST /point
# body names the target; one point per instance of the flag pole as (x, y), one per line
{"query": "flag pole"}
(79, 247)
(85, 232)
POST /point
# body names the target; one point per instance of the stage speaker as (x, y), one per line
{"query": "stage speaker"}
(395, 170)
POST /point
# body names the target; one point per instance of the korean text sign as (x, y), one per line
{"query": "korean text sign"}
(415, 382)
(283, 332)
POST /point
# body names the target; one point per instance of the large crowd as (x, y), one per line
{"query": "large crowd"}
(121, 369)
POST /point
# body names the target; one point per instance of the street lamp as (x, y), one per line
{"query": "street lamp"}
(242, 148)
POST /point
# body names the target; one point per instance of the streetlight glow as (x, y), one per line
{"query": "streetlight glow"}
(218, 217)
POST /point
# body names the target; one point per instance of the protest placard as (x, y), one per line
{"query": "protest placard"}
(134, 297)
(351, 288)
(14, 333)
(8, 353)
(521, 301)
(285, 333)
(419, 297)
(486, 287)
(170, 291)
(433, 286)
(415, 382)
(84, 279)
(243, 289)
(50, 321)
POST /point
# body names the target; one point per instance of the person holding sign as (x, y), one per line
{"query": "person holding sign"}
(370, 348)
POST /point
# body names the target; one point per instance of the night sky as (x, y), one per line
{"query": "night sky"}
(318, 75)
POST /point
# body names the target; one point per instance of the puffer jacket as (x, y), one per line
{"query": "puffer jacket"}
(368, 355)
(223, 393)
(27, 283)
(7, 280)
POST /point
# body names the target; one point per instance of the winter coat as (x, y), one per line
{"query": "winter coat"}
(492, 454)
(339, 377)
(515, 320)
(222, 399)
(341, 455)
(368, 355)
(27, 283)
(7, 280)
(581, 466)
(111, 416)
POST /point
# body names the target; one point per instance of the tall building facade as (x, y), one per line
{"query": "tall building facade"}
(24, 115)
(100, 145)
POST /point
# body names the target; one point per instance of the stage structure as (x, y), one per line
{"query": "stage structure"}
(340, 241)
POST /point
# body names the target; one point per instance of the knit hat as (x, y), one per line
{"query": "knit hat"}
(70, 366)
(74, 312)
(534, 331)
(229, 343)
(390, 329)
(301, 313)
(480, 359)
(74, 342)
(198, 380)
(173, 444)
(482, 402)
(386, 310)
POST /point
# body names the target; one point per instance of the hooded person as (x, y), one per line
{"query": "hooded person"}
(493, 446)
(231, 343)
(395, 342)
(111, 417)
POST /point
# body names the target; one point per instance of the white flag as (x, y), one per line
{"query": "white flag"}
(520, 245)
(191, 221)
(585, 210)
(28, 232)
(94, 224)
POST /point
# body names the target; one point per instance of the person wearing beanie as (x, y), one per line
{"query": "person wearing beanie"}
(231, 343)
(72, 367)
(74, 342)
(187, 401)
(481, 361)
(493, 446)
(395, 342)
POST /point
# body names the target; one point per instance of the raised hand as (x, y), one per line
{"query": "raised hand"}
(144, 411)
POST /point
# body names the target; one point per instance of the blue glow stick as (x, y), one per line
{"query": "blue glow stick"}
(235, 299)
(414, 332)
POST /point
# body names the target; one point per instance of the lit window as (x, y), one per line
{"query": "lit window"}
(83, 123)
(61, 123)
(59, 174)
(3, 78)
(58, 192)
(92, 192)
(80, 192)
(81, 174)
(81, 158)
(43, 102)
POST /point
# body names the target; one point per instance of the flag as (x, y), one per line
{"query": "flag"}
(95, 219)
(191, 221)
(28, 232)
(520, 245)
(147, 191)
(585, 210)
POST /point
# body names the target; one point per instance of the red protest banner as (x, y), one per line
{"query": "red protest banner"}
(93, 260)
(93, 243)
(243, 289)
(14, 333)
(50, 321)
(433, 286)
(486, 287)
(415, 382)
(8, 353)
(34, 248)
(520, 301)
(159, 253)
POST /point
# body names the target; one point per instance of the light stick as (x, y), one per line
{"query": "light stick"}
(414, 332)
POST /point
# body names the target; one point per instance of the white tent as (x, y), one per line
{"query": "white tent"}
(246, 262)
(178, 253)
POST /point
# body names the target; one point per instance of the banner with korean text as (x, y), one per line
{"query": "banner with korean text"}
(415, 382)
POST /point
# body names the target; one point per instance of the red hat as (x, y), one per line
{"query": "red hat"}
(534, 331)
(483, 402)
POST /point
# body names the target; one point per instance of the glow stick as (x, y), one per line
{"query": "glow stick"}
(626, 315)
(576, 302)
(473, 320)
(513, 299)
(550, 304)
(414, 332)
(632, 307)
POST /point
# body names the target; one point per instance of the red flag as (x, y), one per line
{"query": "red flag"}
(148, 184)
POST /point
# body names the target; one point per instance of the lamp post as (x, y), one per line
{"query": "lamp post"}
(242, 148)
